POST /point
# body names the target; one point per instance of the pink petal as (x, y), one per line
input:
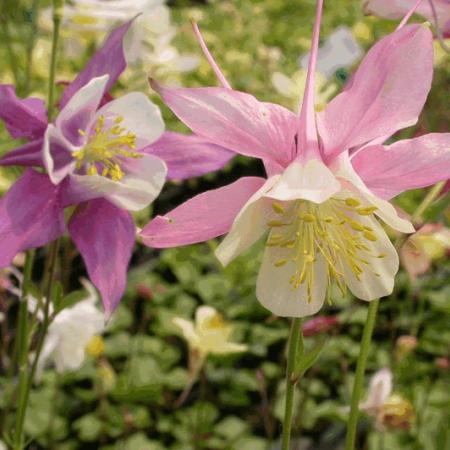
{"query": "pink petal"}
(408, 164)
(29, 154)
(30, 215)
(104, 235)
(201, 218)
(24, 118)
(386, 94)
(235, 120)
(109, 59)
(395, 9)
(307, 143)
(188, 156)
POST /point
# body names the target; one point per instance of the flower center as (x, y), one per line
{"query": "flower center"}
(106, 148)
(216, 322)
(333, 229)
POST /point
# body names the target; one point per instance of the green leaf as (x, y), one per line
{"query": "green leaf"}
(305, 361)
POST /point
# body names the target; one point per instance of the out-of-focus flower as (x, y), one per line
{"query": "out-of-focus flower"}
(395, 9)
(390, 410)
(339, 51)
(106, 376)
(362, 32)
(441, 57)
(70, 332)
(404, 345)
(96, 346)
(290, 87)
(209, 334)
(429, 244)
(397, 413)
(2, 446)
(5, 182)
(319, 325)
(148, 42)
(442, 363)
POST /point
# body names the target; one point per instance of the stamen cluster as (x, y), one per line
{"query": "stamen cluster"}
(332, 230)
(105, 149)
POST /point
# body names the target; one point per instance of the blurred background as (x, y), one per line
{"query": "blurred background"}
(122, 389)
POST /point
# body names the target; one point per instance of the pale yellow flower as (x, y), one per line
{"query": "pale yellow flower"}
(292, 87)
(429, 244)
(209, 334)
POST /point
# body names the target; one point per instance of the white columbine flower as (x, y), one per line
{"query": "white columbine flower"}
(70, 332)
(339, 51)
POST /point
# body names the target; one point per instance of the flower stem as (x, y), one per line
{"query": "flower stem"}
(25, 381)
(30, 45)
(22, 350)
(359, 376)
(295, 343)
(57, 16)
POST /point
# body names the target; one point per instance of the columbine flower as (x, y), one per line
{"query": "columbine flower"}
(339, 51)
(209, 334)
(322, 198)
(391, 411)
(290, 87)
(105, 158)
(390, 9)
(70, 332)
(429, 244)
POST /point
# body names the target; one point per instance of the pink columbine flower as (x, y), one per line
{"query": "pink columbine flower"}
(103, 158)
(436, 11)
(324, 196)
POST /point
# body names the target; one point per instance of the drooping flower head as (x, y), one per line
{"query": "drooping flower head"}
(328, 176)
(390, 410)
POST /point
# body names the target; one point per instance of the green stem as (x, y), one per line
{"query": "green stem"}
(359, 376)
(295, 343)
(22, 349)
(25, 382)
(57, 16)
(30, 45)
(23, 398)
(8, 43)
(369, 326)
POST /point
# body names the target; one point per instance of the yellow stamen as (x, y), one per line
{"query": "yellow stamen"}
(106, 149)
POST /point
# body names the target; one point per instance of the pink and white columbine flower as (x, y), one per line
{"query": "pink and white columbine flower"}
(103, 158)
(322, 198)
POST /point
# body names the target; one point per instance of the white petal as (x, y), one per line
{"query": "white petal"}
(250, 224)
(57, 155)
(140, 116)
(372, 286)
(379, 390)
(203, 315)
(274, 291)
(386, 212)
(79, 111)
(142, 183)
(312, 181)
(188, 330)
